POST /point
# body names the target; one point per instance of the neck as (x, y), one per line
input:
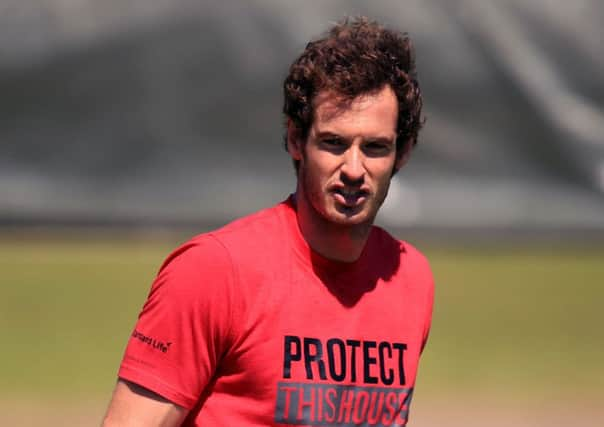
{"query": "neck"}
(338, 242)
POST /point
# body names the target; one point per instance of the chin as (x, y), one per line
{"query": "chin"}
(346, 217)
(330, 212)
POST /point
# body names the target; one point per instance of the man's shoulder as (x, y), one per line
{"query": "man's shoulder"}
(258, 231)
(220, 250)
(260, 222)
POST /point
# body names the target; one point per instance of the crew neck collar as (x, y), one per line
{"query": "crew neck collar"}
(314, 259)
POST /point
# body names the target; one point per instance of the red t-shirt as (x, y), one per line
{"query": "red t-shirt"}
(247, 326)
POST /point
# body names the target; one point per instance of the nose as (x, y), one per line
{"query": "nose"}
(352, 169)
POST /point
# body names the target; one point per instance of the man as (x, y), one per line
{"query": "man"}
(304, 313)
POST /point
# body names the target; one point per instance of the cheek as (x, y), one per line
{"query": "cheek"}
(321, 167)
(382, 171)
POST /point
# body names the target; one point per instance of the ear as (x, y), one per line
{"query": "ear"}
(403, 157)
(294, 145)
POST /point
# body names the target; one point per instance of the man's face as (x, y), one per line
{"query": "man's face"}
(349, 157)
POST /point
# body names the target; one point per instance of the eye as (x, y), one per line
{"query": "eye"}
(377, 148)
(333, 144)
(332, 141)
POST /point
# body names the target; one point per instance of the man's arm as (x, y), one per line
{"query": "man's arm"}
(133, 405)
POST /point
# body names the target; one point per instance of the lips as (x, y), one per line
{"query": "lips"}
(350, 197)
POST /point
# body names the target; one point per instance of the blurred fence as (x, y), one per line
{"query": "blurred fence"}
(168, 112)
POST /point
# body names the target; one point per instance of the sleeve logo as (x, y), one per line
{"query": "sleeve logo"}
(152, 342)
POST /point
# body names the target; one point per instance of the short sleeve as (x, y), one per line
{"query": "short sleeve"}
(183, 328)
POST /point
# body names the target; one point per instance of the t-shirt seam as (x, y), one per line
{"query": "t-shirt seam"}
(232, 335)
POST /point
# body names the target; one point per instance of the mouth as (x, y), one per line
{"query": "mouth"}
(350, 197)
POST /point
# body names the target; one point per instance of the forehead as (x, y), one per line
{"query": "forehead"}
(371, 112)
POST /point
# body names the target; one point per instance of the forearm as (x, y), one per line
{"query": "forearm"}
(133, 406)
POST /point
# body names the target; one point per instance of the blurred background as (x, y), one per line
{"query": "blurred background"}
(128, 126)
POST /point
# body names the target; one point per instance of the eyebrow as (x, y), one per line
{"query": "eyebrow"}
(329, 135)
(383, 139)
(379, 138)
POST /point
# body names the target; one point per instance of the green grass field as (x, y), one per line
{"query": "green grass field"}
(525, 321)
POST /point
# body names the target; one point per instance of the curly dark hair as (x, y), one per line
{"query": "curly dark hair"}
(355, 57)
